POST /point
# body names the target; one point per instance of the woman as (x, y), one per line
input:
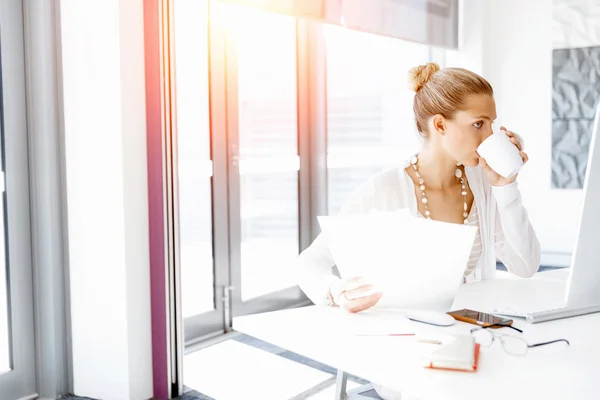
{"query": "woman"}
(446, 181)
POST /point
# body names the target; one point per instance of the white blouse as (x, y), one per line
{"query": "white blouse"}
(472, 220)
(505, 232)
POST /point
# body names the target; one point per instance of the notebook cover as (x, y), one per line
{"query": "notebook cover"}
(474, 368)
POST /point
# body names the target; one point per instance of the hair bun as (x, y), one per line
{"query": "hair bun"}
(419, 76)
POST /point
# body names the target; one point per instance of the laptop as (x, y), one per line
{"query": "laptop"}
(582, 295)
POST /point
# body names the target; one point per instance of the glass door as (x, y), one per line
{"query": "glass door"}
(17, 355)
(233, 85)
(204, 280)
(264, 161)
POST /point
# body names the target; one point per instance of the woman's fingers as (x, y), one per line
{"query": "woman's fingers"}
(525, 157)
(509, 133)
(516, 142)
(354, 294)
(358, 292)
(363, 303)
(513, 138)
(348, 284)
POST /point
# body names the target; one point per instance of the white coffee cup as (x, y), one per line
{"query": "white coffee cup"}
(501, 154)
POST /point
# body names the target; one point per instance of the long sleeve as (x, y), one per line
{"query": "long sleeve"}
(314, 271)
(314, 267)
(517, 245)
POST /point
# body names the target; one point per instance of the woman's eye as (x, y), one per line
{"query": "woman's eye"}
(478, 125)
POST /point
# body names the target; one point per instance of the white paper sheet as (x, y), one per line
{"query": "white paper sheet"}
(416, 263)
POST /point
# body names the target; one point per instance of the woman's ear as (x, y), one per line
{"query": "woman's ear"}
(439, 123)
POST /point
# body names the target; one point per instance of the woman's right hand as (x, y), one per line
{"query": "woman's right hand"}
(353, 294)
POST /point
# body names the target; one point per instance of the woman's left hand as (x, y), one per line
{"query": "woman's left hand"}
(495, 178)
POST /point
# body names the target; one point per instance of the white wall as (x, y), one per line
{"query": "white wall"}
(576, 23)
(105, 141)
(473, 16)
(519, 66)
(510, 43)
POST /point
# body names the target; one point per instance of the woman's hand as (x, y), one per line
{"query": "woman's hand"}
(353, 294)
(495, 178)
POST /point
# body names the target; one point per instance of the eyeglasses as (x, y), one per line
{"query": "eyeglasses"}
(514, 345)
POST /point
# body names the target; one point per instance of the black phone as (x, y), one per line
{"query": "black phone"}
(479, 318)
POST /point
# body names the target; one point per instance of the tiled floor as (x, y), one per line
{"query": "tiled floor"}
(233, 370)
(260, 371)
(329, 392)
(246, 368)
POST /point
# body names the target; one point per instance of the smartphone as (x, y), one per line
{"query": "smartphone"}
(479, 318)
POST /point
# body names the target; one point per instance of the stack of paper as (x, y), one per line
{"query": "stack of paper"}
(416, 263)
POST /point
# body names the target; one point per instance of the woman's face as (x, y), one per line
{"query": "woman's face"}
(464, 133)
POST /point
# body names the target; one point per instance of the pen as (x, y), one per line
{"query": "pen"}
(432, 341)
(385, 334)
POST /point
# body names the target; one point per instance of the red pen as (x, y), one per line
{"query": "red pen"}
(385, 334)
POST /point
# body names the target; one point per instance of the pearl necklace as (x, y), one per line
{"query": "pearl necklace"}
(459, 175)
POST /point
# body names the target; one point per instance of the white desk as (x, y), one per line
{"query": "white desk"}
(548, 372)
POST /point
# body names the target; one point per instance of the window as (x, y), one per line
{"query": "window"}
(268, 150)
(194, 156)
(370, 124)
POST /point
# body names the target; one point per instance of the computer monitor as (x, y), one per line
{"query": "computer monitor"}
(583, 284)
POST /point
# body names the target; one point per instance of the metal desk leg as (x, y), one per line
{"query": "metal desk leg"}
(340, 385)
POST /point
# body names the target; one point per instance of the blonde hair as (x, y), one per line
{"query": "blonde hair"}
(442, 91)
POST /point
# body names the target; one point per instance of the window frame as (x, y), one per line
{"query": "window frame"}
(311, 97)
(20, 381)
